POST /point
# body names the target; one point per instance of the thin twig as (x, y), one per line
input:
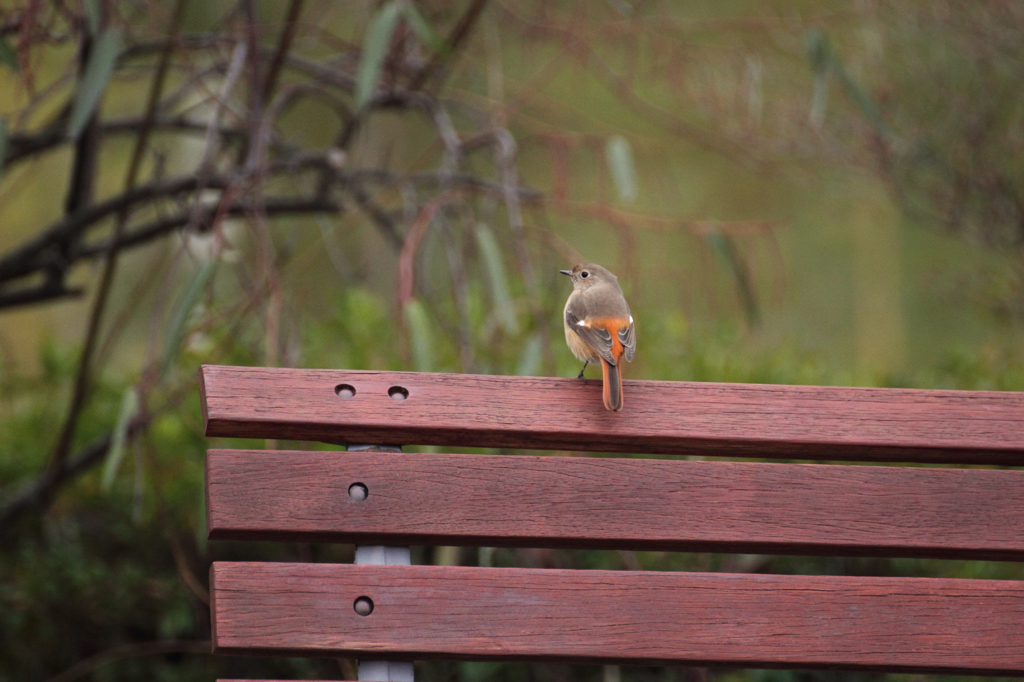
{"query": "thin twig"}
(283, 46)
(455, 39)
(411, 244)
(84, 164)
(33, 256)
(26, 146)
(20, 261)
(47, 291)
(83, 167)
(37, 492)
(505, 150)
(82, 380)
(167, 224)
(205, 167)
(384, 222)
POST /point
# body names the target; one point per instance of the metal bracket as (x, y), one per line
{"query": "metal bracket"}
(381, 555)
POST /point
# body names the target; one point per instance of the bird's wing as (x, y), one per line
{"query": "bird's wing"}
(597, 338)
(627, 336)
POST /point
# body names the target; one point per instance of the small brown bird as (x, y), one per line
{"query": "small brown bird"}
(599, 326)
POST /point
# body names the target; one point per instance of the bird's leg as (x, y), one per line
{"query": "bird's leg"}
(580, 375)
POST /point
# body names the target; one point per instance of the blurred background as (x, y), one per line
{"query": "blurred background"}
(789, 192)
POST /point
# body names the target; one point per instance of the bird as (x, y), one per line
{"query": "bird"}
(599, 326)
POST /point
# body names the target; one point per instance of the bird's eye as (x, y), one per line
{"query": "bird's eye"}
(584, 274)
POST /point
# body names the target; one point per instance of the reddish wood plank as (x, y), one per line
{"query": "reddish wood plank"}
(421, 612)
(494, 500)
(742, 420)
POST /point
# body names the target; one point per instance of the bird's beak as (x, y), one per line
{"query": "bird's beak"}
(566, 272)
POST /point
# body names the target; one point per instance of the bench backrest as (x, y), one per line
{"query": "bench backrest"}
(419, 612)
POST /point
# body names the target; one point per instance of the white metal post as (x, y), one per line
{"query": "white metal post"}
(381, 555)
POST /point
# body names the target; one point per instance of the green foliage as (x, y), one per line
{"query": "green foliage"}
(418, 323)
(825, 62)
(531, 360)
(129, 408)
(358, 333)
(619, 156)
(982, 369)
(3, 144)
(7, 56)
(422, 28)
(376, 45)
(91, 9)
(100, 67)
(182, 311)
(494, 268)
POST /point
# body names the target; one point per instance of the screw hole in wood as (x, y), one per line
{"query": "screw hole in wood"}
(363, 606)
(398, 392)
(345, 391)
(358, 491)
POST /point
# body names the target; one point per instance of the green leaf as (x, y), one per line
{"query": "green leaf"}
(129, 407)
(861, 100)
(7, 55)
(94, 81)
(824, 61)
(418, 323)
(375, 48)
(819, 50)
(176, 331)
(480, 671)
(619, 155)
(819, 99)
(92, 15)
(529, 361)
(724, 247)
(504, 309)
(422, 28)
(3, 144)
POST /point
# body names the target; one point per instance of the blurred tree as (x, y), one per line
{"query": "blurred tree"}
(229, 90)
(930, 104)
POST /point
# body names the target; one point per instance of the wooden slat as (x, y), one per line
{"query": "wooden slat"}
(742, 420)
(421, 612)
(494, 500)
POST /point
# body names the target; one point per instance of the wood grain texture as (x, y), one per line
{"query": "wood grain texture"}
(495, 500)
(741, 420)
(421, 612)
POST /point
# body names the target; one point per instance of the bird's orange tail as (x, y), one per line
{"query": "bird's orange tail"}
(612, 394)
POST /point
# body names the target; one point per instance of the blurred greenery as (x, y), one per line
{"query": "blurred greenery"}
(789, 193)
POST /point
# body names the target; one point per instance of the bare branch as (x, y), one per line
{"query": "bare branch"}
(411, 244)
(283, 46)
(82, 379)
(87, 147)
(36, 494)
(31, 256)
(163, 226)
(505, 150)
(23, 146)
(47, 291)
(384, 222)
(43, 253)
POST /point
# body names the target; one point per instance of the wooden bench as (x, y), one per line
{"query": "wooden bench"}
(402, 612)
